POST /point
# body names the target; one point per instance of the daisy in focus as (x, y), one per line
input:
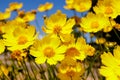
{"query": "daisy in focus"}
(48, 50)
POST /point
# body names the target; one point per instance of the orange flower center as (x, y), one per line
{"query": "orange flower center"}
(95, 24)
(72, 52)
(22, 40)
(108, 10)
(16, 55)
(70, 73)
(49, 52)
(57, 29)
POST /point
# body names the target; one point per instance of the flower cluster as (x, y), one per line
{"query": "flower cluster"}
(63, 52)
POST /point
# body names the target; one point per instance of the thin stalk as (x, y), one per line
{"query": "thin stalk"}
(33, 71)
(40, 69)
(21, 73)
(25, 66)
(116, 33)
(114, 30)
(13, 68)
(5, 57)
(46, 12)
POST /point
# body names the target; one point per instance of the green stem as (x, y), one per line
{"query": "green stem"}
(33, 71)
(116, 33)
(42, 72)
(114, 30)
(13, 64)
(25, 67)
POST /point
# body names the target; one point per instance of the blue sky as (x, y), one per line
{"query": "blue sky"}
(29, 5)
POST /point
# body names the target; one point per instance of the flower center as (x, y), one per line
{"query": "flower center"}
(95, 24)
(22, 40)
(57, 29)
(108, 10)
(49, 52)
(16, 55)
(70, 73)
(72, 52)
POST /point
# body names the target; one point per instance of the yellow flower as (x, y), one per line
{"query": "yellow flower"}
(109, 27)
(2, 46)
(58, 24)
(89, 50)
(67, 39)
(116, 5)
(117, 26)
(94, 22)
(70, 69)
(18, 54)
(82, 5)
(5, 15)
(19, 36)
(116, 52)
(78, 5)
(69, 4)
(48, 49)
(29, 16)
(110, 44)
(108, 7)
(25, 16)
(77, 50)
(15, 6)
(45, 7)
(2, 25)
(100, 40)
(111, 68)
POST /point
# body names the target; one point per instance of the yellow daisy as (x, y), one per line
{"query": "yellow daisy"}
(67, 39)
(79, 50)
(15, 6)
(48, 50)
(94, 22)
(69, 4)
(25, 16)
(45, 7)
(18, 54)
(108, 7)
(82, 5)
(70, 69)
(5, 15)
(19, 36)
(111, 68)
(58, 24)
(78, 5)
